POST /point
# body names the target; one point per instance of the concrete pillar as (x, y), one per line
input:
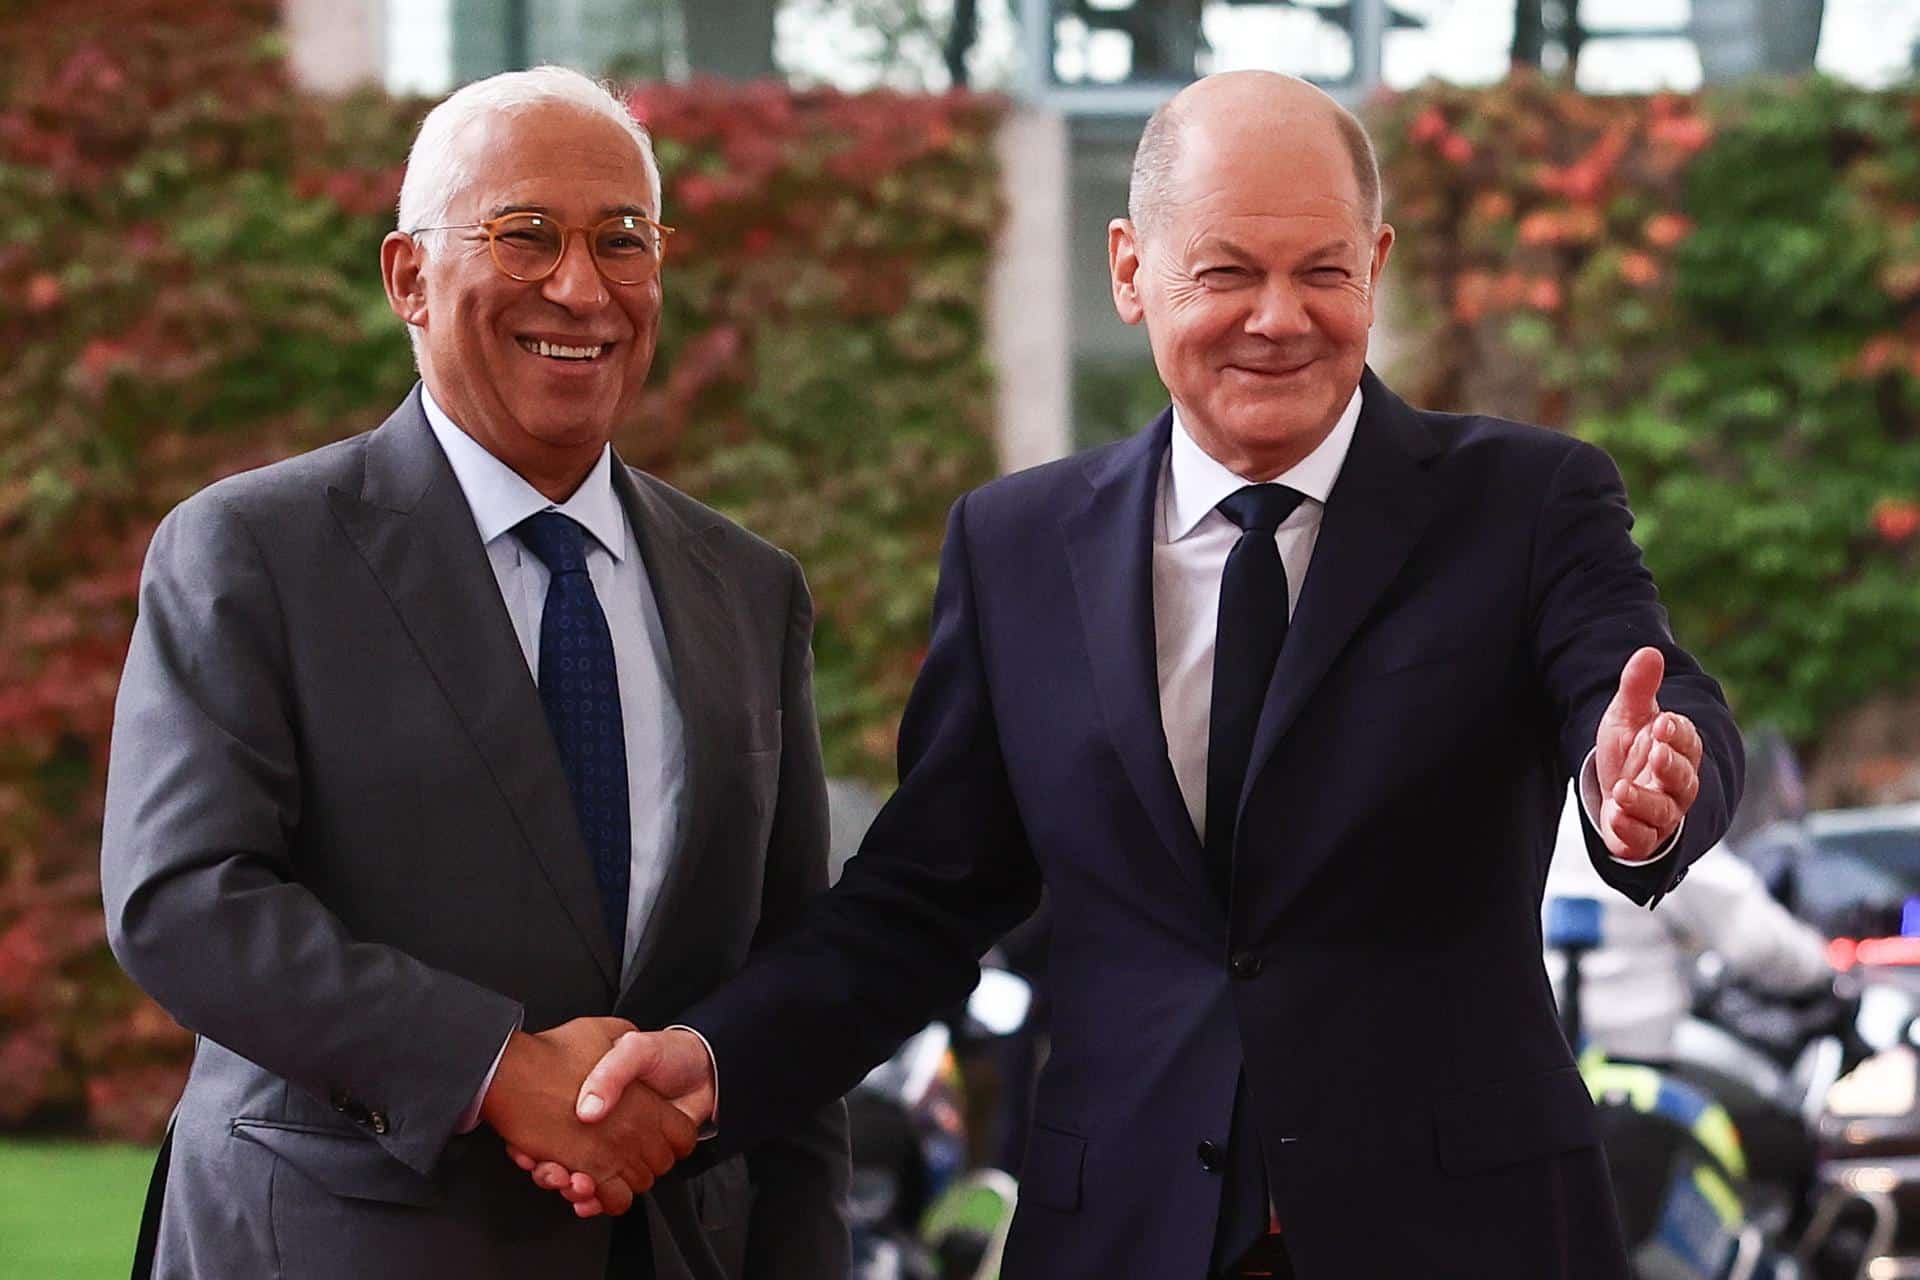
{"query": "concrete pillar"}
(336, 45)
(1029, 323)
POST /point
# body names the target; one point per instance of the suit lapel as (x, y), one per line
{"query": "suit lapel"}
(1375, 515)
(695, 612)
(411, 523)
(1110, 549)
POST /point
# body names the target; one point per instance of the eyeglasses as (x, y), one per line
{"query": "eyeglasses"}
(626, 248)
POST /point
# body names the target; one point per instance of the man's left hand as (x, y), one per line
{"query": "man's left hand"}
(1648, 761)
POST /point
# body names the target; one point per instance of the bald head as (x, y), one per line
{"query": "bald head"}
(1246, 102)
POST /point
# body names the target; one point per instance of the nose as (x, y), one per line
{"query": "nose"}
(1278, 311)
(576, 283)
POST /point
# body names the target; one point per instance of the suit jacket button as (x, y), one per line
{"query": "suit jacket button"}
(1246, 965)
(340, 1100)
(377, 1121)
(1209, 1154)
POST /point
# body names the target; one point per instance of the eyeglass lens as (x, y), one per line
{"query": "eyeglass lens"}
(529, 245)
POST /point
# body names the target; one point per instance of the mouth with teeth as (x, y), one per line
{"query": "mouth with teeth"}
(556, 351)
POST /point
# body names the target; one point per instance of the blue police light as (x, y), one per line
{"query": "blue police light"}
(1910, 918)
(1573, 922)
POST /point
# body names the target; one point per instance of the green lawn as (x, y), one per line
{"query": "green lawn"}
(69, 1210)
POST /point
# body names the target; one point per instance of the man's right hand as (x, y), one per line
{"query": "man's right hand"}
(673, 1064)
(532, 1100)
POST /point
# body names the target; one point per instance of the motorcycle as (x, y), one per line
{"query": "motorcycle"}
(918, 1212)
(1708, 1150)
(1866, 1219)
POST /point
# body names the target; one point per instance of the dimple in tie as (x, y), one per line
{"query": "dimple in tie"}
(580, 689)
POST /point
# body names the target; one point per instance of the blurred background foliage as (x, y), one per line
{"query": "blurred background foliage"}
(189, 285)
(1724, 293)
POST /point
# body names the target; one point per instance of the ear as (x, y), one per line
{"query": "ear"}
(401, 264)
(1382, 248)
(1123, 264)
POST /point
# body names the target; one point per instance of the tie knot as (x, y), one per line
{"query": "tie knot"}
(1260, 507)
(558, 540)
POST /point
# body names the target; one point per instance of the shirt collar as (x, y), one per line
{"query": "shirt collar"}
(1197, 481)
(501, 498)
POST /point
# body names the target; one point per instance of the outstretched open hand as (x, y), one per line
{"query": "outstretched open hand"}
(1648, 761)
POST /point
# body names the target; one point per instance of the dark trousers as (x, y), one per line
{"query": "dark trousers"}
(631, 1257)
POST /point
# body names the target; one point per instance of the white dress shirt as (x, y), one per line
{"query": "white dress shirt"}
(1191, 540)
(500, 498)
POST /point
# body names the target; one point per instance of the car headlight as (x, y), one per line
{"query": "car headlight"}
(1884, 1085)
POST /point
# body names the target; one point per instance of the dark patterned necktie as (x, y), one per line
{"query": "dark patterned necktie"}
(581, 692)
(1252, 626)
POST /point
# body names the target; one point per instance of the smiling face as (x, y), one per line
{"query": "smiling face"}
(1256, 278)
(540, 373)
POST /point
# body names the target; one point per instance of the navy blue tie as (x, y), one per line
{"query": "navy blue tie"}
(580, 689)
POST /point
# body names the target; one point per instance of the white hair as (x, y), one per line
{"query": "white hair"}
(438, 170)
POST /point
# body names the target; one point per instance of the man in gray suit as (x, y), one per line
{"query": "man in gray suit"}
(447, 753)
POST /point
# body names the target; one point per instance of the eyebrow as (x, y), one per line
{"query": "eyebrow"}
(1235, 249)
(1329, 246)
(606, 211)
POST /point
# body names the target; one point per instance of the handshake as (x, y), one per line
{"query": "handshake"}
(562, 1101)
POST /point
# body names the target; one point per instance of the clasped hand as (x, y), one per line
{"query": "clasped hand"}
(672, 1065)
(532, 1105)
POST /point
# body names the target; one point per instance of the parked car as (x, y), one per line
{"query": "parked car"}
(1851, 873)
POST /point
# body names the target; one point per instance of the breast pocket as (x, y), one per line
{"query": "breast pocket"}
(1405, 650)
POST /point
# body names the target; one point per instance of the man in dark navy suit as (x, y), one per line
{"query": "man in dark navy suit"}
(1279, 699)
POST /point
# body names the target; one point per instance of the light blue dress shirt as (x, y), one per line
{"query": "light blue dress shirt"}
(656, 746)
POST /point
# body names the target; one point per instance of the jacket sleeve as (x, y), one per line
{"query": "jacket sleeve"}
(205, 907)
(944, 870)
(798, 1226)
(1593, 604)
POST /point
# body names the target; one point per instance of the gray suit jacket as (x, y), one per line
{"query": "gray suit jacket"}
(340, 848)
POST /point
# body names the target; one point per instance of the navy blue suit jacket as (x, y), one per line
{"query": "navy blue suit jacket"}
(1472, 599)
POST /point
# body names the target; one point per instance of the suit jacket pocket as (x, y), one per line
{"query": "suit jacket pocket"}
(1514, 1119)
(1051, 1176)
(1403, 650)
(348, 1165)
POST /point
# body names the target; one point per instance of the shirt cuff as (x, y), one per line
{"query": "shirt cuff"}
(1590, 798)
(712, 1126)
(470, 1118)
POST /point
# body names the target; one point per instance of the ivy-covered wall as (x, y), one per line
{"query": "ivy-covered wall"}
(189, 285)
(1723, 292)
